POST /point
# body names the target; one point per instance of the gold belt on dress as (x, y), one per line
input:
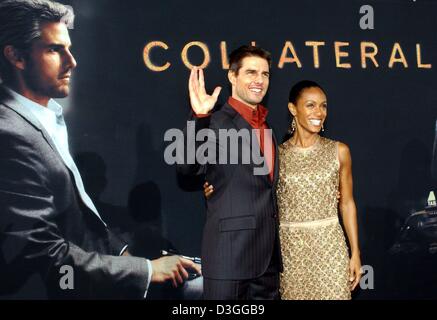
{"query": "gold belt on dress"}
(310, 224)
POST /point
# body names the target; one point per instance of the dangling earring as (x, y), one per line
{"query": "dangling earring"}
(293, 126)
(323, 128)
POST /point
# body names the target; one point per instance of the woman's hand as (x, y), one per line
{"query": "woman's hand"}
(208, 190)
(354, 271)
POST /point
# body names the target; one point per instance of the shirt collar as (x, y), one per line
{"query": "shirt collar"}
(45, 115)
(255, 117)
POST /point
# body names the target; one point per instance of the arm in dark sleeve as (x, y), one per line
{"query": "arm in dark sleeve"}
(190, 145)
(31, 241)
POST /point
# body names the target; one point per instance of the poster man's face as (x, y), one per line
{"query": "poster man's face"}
(48, 66)
(251, 83)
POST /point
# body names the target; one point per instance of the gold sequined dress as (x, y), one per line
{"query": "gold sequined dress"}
(314, 251)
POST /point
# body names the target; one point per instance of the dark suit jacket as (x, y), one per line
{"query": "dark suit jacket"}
(241, 230)
(45, 225)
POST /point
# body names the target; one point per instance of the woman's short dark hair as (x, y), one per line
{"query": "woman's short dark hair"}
(20, 24)
(236, 57)
(298, 88)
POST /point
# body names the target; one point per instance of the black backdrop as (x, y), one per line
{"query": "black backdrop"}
(119, 109)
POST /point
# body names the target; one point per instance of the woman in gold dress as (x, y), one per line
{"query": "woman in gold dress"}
(313, 171)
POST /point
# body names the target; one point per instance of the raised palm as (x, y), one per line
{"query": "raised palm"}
(201, 102)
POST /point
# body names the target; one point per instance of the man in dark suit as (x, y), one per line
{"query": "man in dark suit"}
(240, 248)
(48, 224)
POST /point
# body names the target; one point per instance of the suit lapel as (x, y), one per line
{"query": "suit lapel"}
(241, 123)
(11, 103)
(276, 168)
(238, 121)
